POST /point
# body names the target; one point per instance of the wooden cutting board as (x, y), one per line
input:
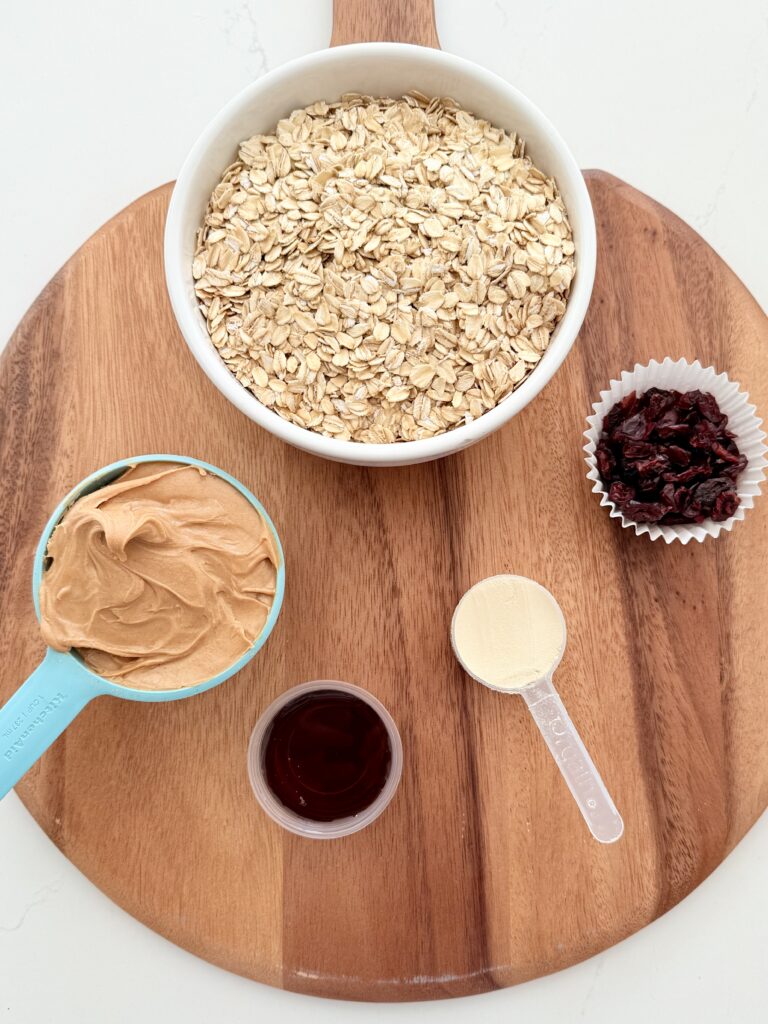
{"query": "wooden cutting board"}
(481, 873)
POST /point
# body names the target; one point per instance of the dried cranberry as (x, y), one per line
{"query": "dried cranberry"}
(669, 457)
(636, 428)
(674, 432)
(668, 418)
(678, 455)
(638, 449)
(709, 409)
(648, 486)
(644, 511)
(733, 470)
(652, 467)
(672, 429)
(725, 506)
(605, 460)
(723, 453)
(685, 476)
(687, 401)
(620, 493)
(670, 495)
(703, 435)
(703, 495)
(620, 411)
(657, 402)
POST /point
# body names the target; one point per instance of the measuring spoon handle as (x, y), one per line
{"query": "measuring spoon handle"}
(574, 762)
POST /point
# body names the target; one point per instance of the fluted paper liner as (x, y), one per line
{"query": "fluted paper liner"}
(742, 421)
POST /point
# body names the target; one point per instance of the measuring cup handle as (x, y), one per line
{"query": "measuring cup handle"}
(574, 762)
(39, 711)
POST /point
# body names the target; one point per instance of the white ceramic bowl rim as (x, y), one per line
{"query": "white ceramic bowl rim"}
(195, 332)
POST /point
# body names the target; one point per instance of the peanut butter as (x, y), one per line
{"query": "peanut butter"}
(161, 579)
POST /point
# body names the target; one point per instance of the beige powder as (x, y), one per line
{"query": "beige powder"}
(508, 631)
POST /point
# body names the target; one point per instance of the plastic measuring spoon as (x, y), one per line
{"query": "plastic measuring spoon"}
(62, 685)
(503, 649)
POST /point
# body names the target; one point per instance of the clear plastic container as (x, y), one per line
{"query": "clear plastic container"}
(304, 826)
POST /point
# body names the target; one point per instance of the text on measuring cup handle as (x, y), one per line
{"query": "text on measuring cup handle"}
(32, 716)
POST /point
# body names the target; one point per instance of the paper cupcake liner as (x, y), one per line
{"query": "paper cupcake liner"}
(742, 421)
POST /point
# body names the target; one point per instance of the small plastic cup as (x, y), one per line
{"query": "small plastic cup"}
(293, 822)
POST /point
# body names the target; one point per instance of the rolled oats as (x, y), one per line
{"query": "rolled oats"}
(383, 270)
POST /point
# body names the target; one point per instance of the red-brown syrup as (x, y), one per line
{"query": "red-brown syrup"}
(327, 755)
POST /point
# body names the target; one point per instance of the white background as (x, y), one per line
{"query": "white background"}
(99, 102)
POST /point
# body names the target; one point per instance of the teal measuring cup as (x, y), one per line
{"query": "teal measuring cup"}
(62, 684)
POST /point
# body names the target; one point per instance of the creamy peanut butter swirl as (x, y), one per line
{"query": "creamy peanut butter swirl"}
(160, 580)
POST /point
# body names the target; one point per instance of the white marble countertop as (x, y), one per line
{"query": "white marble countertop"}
(102, 101)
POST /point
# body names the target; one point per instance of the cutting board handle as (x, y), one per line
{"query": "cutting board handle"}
(395, 21)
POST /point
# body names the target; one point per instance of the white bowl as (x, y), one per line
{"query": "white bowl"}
(379, 69)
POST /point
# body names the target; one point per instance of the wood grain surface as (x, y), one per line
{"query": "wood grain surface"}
(398, 21)
(481, 873)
